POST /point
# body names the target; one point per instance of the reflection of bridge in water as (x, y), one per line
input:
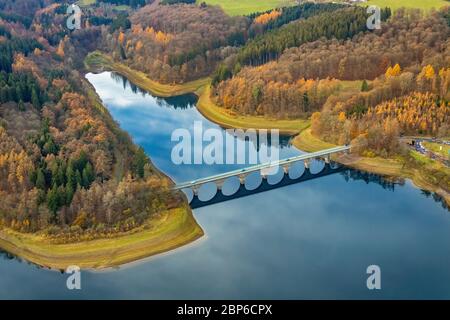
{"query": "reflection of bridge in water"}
(264, 170)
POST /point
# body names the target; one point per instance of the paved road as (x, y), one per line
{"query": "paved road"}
(419, 147)
(259, 167)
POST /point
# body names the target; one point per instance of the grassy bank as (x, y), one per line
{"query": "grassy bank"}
(441, 149)
(167, 231)
(419, 173)
(170, 230)
(228, 119)
(97, 61)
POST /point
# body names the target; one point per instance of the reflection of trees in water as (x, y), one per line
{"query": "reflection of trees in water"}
(185, 101)
(367, 177)
(119, 79)
(188, 101)
(283, 141)
(436, 198)
(387, 183)
(9, 256)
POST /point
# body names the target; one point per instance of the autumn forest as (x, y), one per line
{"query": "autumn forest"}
(67, 169)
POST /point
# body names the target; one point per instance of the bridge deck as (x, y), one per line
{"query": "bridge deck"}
(260, 167)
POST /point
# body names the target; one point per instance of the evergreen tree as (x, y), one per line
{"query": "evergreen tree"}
(21, 106)
(70, 191)
(53, 200)
(40, 180)
(88, 176)
(50, 147)
(35, 99)
(122, 53)
(78, 179)
(140, 160)
(71, 176)
(365, 86)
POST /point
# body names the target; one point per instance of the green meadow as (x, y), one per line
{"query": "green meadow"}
(243, 7)
(422, 4)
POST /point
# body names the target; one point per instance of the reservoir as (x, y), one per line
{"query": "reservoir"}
(311, 240)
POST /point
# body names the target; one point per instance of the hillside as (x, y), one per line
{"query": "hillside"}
(67, 171)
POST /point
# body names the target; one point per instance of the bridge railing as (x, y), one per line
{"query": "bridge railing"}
(260, 167)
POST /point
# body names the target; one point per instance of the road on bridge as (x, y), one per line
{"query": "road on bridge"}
(280, 163)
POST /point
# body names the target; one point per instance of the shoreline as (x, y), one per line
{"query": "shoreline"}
(387, 167)
(171, 230)
(295, 128)
(221, 117)
(99, 62)
(177, 228)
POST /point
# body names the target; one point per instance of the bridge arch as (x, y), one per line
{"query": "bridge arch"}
(261, 171)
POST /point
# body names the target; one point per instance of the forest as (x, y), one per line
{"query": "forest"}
(277, 89)
(182, 42)
(65, 166)
(354, 84)
(176, 43)
(339, 24)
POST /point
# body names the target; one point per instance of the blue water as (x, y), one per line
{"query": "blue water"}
(310, 240)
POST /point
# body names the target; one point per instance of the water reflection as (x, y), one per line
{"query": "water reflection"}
(182, 102)
(311, 240)
(388, 183)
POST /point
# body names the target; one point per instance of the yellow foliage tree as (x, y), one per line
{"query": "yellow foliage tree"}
(266, 17)
(139, 45)
(393, 71)
(60, 50)
(429, 72)
(162, 37)
(121, 37)
(396, 70)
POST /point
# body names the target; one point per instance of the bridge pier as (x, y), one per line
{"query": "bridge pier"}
(264, 171)
(195, 190)
(306, 163)
(219, 184)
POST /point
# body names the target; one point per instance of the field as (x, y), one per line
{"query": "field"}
(422, 4)
(243, 7)
(435, 147)
(86, 2)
